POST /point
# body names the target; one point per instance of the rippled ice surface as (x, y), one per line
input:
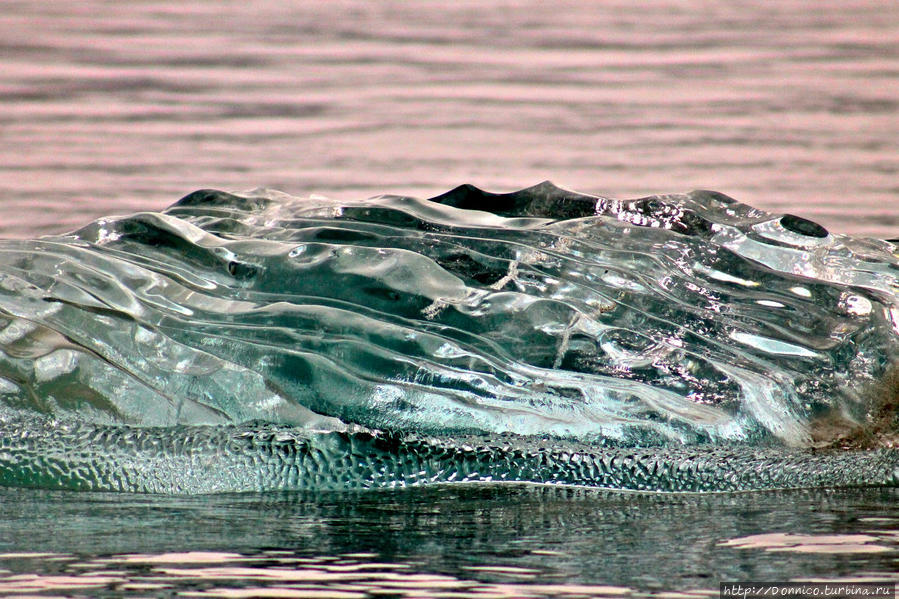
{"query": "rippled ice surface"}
(682, 318)
(668, 321)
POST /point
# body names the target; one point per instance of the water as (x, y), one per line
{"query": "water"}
(110, 108)
(459, 542)
(114, 107)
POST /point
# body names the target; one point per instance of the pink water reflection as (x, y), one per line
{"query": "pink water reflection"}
(115, 107)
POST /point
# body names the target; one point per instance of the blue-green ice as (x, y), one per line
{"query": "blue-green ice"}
(682, 342)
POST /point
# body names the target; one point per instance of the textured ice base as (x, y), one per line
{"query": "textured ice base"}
(266, 458)
(688, 331)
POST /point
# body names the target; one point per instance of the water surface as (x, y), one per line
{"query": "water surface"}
(112, 107)
(460, 542)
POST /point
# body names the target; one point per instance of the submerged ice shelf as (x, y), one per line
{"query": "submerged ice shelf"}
(261, 341)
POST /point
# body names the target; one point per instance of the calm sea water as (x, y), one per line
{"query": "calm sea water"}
(120, 106)
(112, 107)
(474, 541)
